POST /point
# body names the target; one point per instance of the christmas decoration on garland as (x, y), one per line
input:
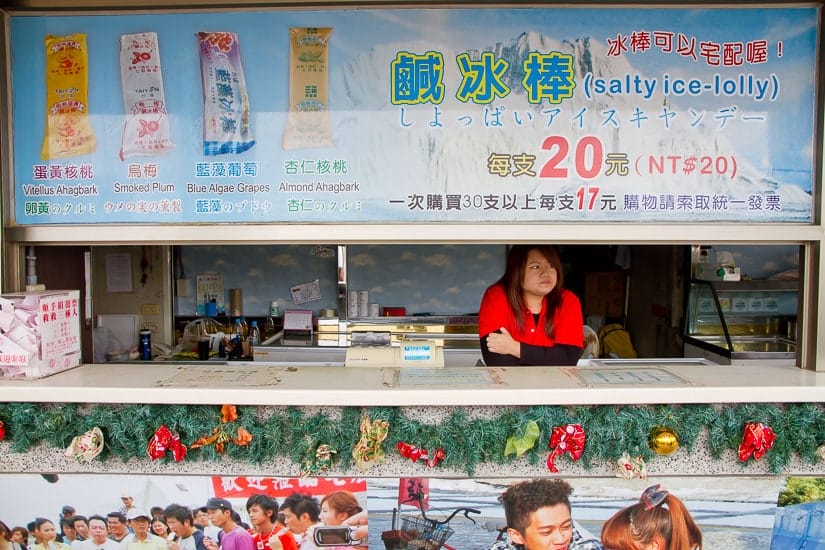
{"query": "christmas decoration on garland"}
(757, 439)
(229, 413)
(566, 439)
(820, 452)
(629, 467)
(525, 442)
(663, 440)
(86, 447)
(415, 454)
(164, 440)
(221, 436)
(318, 462)
(368, 449)
(2, 431)
(467, 438)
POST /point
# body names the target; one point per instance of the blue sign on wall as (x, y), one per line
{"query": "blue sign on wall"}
(474, 115)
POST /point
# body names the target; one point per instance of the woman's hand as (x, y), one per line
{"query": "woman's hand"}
(502, 343)
(359, 520)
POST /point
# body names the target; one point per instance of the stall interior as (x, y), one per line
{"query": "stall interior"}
(645, 290)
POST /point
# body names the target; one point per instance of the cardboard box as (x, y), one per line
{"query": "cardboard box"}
(39, 333)
(604, 293)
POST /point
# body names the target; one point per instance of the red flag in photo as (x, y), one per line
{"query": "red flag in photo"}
(409, 489)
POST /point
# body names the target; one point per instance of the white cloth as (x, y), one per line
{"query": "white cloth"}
(185, 543)
(89, 544)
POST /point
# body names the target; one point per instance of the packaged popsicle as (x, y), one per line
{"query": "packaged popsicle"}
(68, 129)
(146, 128)
(226, 116)
(308, 123)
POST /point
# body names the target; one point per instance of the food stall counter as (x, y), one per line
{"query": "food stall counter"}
(593, 382)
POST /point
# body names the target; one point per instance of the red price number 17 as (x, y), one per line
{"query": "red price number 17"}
(586, 197)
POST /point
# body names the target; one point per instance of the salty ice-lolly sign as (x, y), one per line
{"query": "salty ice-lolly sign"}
(536, 114)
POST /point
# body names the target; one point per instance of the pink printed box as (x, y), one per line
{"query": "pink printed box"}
(39, 333)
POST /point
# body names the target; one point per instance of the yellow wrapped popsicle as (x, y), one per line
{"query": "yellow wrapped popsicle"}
(68, 130)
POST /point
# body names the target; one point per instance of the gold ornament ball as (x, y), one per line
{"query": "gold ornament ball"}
(663, 440)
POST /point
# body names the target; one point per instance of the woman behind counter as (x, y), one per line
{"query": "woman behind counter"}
(527, 317)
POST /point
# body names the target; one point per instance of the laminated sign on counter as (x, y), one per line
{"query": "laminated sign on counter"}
(39, 333)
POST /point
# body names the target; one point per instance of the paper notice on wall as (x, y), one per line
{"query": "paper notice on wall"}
(209, 287)
(308, 123)
(306, 292)
(119, 272)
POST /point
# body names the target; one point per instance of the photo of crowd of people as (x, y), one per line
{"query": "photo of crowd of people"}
(547, 513)
(95, 512)
(237, 513)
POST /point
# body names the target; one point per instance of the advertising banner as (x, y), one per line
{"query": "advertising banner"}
(373, 116)
(719, 512)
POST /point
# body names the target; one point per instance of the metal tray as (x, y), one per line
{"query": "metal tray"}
(749, 347)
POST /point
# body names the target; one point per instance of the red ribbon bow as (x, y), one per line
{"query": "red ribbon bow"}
(415, 454)
(566, 439)
(165, 440)
(757, 439)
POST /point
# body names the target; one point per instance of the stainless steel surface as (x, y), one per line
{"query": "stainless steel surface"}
(742, 329)
(753, 347)
(335, 356)
(322, 356)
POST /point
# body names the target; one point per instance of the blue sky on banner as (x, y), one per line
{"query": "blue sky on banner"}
(364, 41)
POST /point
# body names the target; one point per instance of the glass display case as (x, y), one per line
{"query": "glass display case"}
(732, 322)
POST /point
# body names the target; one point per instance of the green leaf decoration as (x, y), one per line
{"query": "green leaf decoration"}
(520, 445)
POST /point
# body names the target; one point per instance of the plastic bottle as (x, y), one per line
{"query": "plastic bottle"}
(269, 327)
(244, 327)
(254, 338)
(271, 322)
(145, 346)
(237, 334)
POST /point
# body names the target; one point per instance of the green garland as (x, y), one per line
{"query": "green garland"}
(467, 442)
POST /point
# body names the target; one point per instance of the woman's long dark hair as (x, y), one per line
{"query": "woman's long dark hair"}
(513, 282)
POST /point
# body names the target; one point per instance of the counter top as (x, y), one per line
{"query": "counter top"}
(256, 383)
